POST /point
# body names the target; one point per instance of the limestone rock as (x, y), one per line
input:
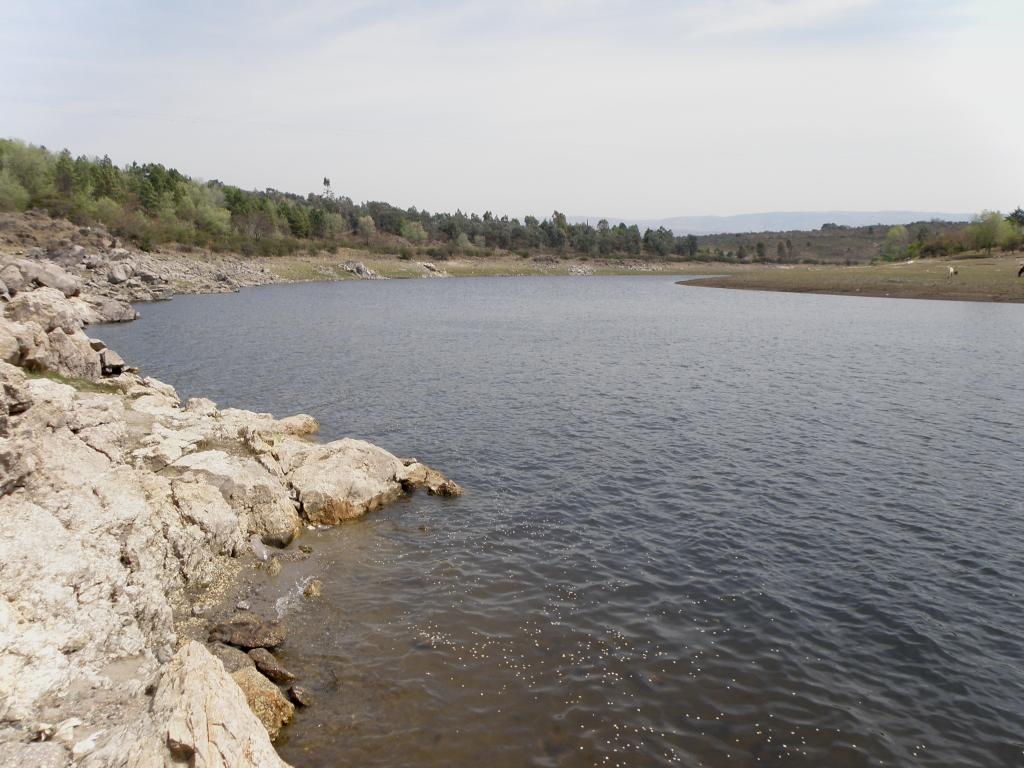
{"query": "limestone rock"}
(114, 311)
(202, 505)
(265, 700)
(13, 279)
(345, 479)
(111, 363)
(199, 717)
(15, 395)
(67, 354)
(299, 425)
(120, 272)
(52, 276)
(46, 306)
(248, 486)
(10, 349)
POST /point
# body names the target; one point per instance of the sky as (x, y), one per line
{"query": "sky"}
(602, 107)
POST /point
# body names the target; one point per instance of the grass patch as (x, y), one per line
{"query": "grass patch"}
(82, 385)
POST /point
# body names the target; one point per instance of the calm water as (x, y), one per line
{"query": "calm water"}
(701, 527)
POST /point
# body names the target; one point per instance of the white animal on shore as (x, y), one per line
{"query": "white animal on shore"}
(951, 270)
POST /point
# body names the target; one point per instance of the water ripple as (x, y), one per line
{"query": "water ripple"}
(702, 528)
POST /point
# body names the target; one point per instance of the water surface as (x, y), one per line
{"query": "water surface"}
(702, 527)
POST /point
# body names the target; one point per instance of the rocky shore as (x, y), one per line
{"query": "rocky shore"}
(125, 514)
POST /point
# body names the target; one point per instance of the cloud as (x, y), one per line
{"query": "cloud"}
(636, 109)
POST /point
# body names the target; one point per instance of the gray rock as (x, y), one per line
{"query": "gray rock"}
(247, 631)
(121, 272)
(111, 363)
(232, 658)
(46, 306)
(52, 276)
(13, 278)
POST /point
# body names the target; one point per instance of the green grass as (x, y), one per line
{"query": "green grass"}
(82, 385)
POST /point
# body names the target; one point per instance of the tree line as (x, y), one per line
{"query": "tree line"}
(150, 204)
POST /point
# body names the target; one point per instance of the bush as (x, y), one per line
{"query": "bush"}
(13, 196)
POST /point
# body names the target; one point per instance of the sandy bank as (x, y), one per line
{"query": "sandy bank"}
(976, 279)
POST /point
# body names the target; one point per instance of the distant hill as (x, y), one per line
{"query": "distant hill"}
(779, 221)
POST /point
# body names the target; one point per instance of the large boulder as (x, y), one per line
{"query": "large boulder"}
(46, 306)
(203, 506)
(120, 272)
(15, 395)
(69, 355)
(10, 348)
(13, 279)
(345, 479)
(52, 276)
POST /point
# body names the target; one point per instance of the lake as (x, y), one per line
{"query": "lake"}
(701, 527)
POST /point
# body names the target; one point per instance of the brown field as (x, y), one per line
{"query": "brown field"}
(978, 279)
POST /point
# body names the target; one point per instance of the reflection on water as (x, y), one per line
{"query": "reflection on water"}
(701, 527)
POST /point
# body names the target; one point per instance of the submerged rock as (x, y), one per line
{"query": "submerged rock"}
(315, 588)
(300, 696)
(268, 664)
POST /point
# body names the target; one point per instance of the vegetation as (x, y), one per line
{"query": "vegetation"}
(82, 385)
(150, 204)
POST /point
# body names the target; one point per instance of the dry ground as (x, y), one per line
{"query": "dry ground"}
(978, 279)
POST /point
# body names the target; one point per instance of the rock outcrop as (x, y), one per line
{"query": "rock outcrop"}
(120, 505)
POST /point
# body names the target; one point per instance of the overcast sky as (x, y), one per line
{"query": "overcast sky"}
(610, 107)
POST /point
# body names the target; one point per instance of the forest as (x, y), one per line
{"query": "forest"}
(150, 205)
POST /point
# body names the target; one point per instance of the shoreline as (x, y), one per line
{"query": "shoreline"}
(113, 273)
(990, 280)
(131, 520)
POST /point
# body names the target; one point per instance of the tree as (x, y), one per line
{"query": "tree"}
(1017, 217)
(895, 246)
(64, 175)
(987, 230)
(413, 231)
(366, 227)
(780, 251)
(691, 245)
